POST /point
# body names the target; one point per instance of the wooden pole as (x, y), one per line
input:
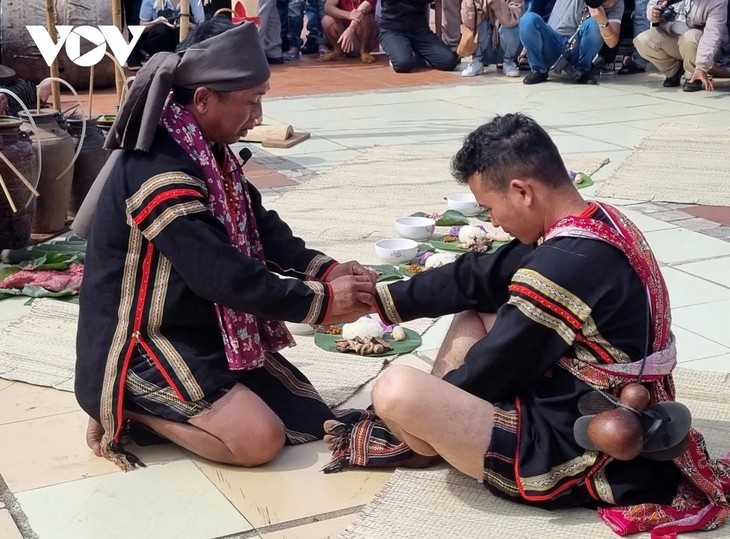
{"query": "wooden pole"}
(184, 19)
(91, 90)
(51, 27)
(117, 21)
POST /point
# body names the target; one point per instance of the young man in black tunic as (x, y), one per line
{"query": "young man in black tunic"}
(571, 306)
(182, 310)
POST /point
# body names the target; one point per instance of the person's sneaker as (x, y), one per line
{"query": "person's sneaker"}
(275, 61)
(292, 55)
(674, 80)
(473, 68)
(609, 68)
(586, 78)
(510, 69)
(693, 86)
(535, 77)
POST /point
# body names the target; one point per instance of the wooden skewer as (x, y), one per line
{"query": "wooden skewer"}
(117, 21)
(51, 24)
(19, 174)
(7, 195)
(91, 89)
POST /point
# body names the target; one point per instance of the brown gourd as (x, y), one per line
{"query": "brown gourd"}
(618, 432)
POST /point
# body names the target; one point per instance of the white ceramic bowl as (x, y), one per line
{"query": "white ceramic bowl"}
(466, 203)
(415, 228)
(299, 329)
(396, 250)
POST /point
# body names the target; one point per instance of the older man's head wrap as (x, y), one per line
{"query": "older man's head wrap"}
(231, 61)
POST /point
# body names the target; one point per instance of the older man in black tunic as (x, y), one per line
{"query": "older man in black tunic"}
(182, 303)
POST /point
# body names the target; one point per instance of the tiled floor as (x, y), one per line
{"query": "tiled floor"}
(54, 482)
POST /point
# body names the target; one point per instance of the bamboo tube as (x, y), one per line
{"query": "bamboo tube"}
(91, 90)
(7, 195)
(51, 27)
(184, 19)
(19, 174)
(117, 21)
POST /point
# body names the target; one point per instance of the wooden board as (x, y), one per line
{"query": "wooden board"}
(261, 133)
(296, 138)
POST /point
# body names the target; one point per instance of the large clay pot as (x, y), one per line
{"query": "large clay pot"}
(21, 53)
(90, 160)
(17, 147)
(57, 152)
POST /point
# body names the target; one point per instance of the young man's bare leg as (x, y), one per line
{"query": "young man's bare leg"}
(435, 417)
(466, 329)
(332, 29)
(364, 34)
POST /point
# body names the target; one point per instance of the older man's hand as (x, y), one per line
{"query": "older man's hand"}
(353, 297)
(351, 268)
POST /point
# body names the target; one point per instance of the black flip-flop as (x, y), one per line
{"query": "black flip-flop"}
(665, 424)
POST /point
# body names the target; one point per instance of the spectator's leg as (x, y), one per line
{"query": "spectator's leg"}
(270, 30)
(589, 45)
(282, 6)
(437, 53)
(509, 41)
(543, 44)
(131, 12)
(397, 46)
(333, 30)
(641, 24)
(662, 50)
(451, 23)
(314, 11)
(364, 32)
(687, 44)
(542, 7)
(295, 17)
(476, 64)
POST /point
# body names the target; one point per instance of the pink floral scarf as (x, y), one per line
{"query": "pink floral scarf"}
(246, 337)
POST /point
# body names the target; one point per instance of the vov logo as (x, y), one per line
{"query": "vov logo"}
(100, 36)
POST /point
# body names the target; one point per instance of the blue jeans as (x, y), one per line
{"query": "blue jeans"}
(542, 7)
(544, 45)
(641, 24)
(315, 11)
(508, 48)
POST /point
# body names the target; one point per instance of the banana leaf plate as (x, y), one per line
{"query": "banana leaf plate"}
(411, 342)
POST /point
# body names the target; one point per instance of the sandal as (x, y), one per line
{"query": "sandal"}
(629, 67)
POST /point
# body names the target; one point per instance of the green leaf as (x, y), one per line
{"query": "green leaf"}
(38, 292)
(387, 272)
(452, 218)
(456, 246)
(404, 269)
(8, 271)
(586, 181)
(50, 261)
(449, 218)
(412, 341)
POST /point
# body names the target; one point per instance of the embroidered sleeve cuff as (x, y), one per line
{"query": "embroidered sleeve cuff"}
(385, 305)
(321, 303)
(319, 267)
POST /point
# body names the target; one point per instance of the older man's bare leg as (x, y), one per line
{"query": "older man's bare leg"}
(435, 417)
(466, 329)
(239, 428)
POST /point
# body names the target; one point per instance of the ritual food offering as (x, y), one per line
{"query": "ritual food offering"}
(399, 334)
(364, 347)
(436, 260)
(364, 328)
(333, 330)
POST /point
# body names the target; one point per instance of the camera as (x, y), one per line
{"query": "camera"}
(667, 14)
(594, 3)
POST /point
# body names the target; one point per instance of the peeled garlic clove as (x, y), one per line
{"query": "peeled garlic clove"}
(399, 333)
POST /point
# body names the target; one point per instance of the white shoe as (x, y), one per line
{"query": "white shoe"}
(473, 69)
(510, 69)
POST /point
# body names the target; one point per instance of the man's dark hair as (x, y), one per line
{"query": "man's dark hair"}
(205, 30)
(510, 146)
